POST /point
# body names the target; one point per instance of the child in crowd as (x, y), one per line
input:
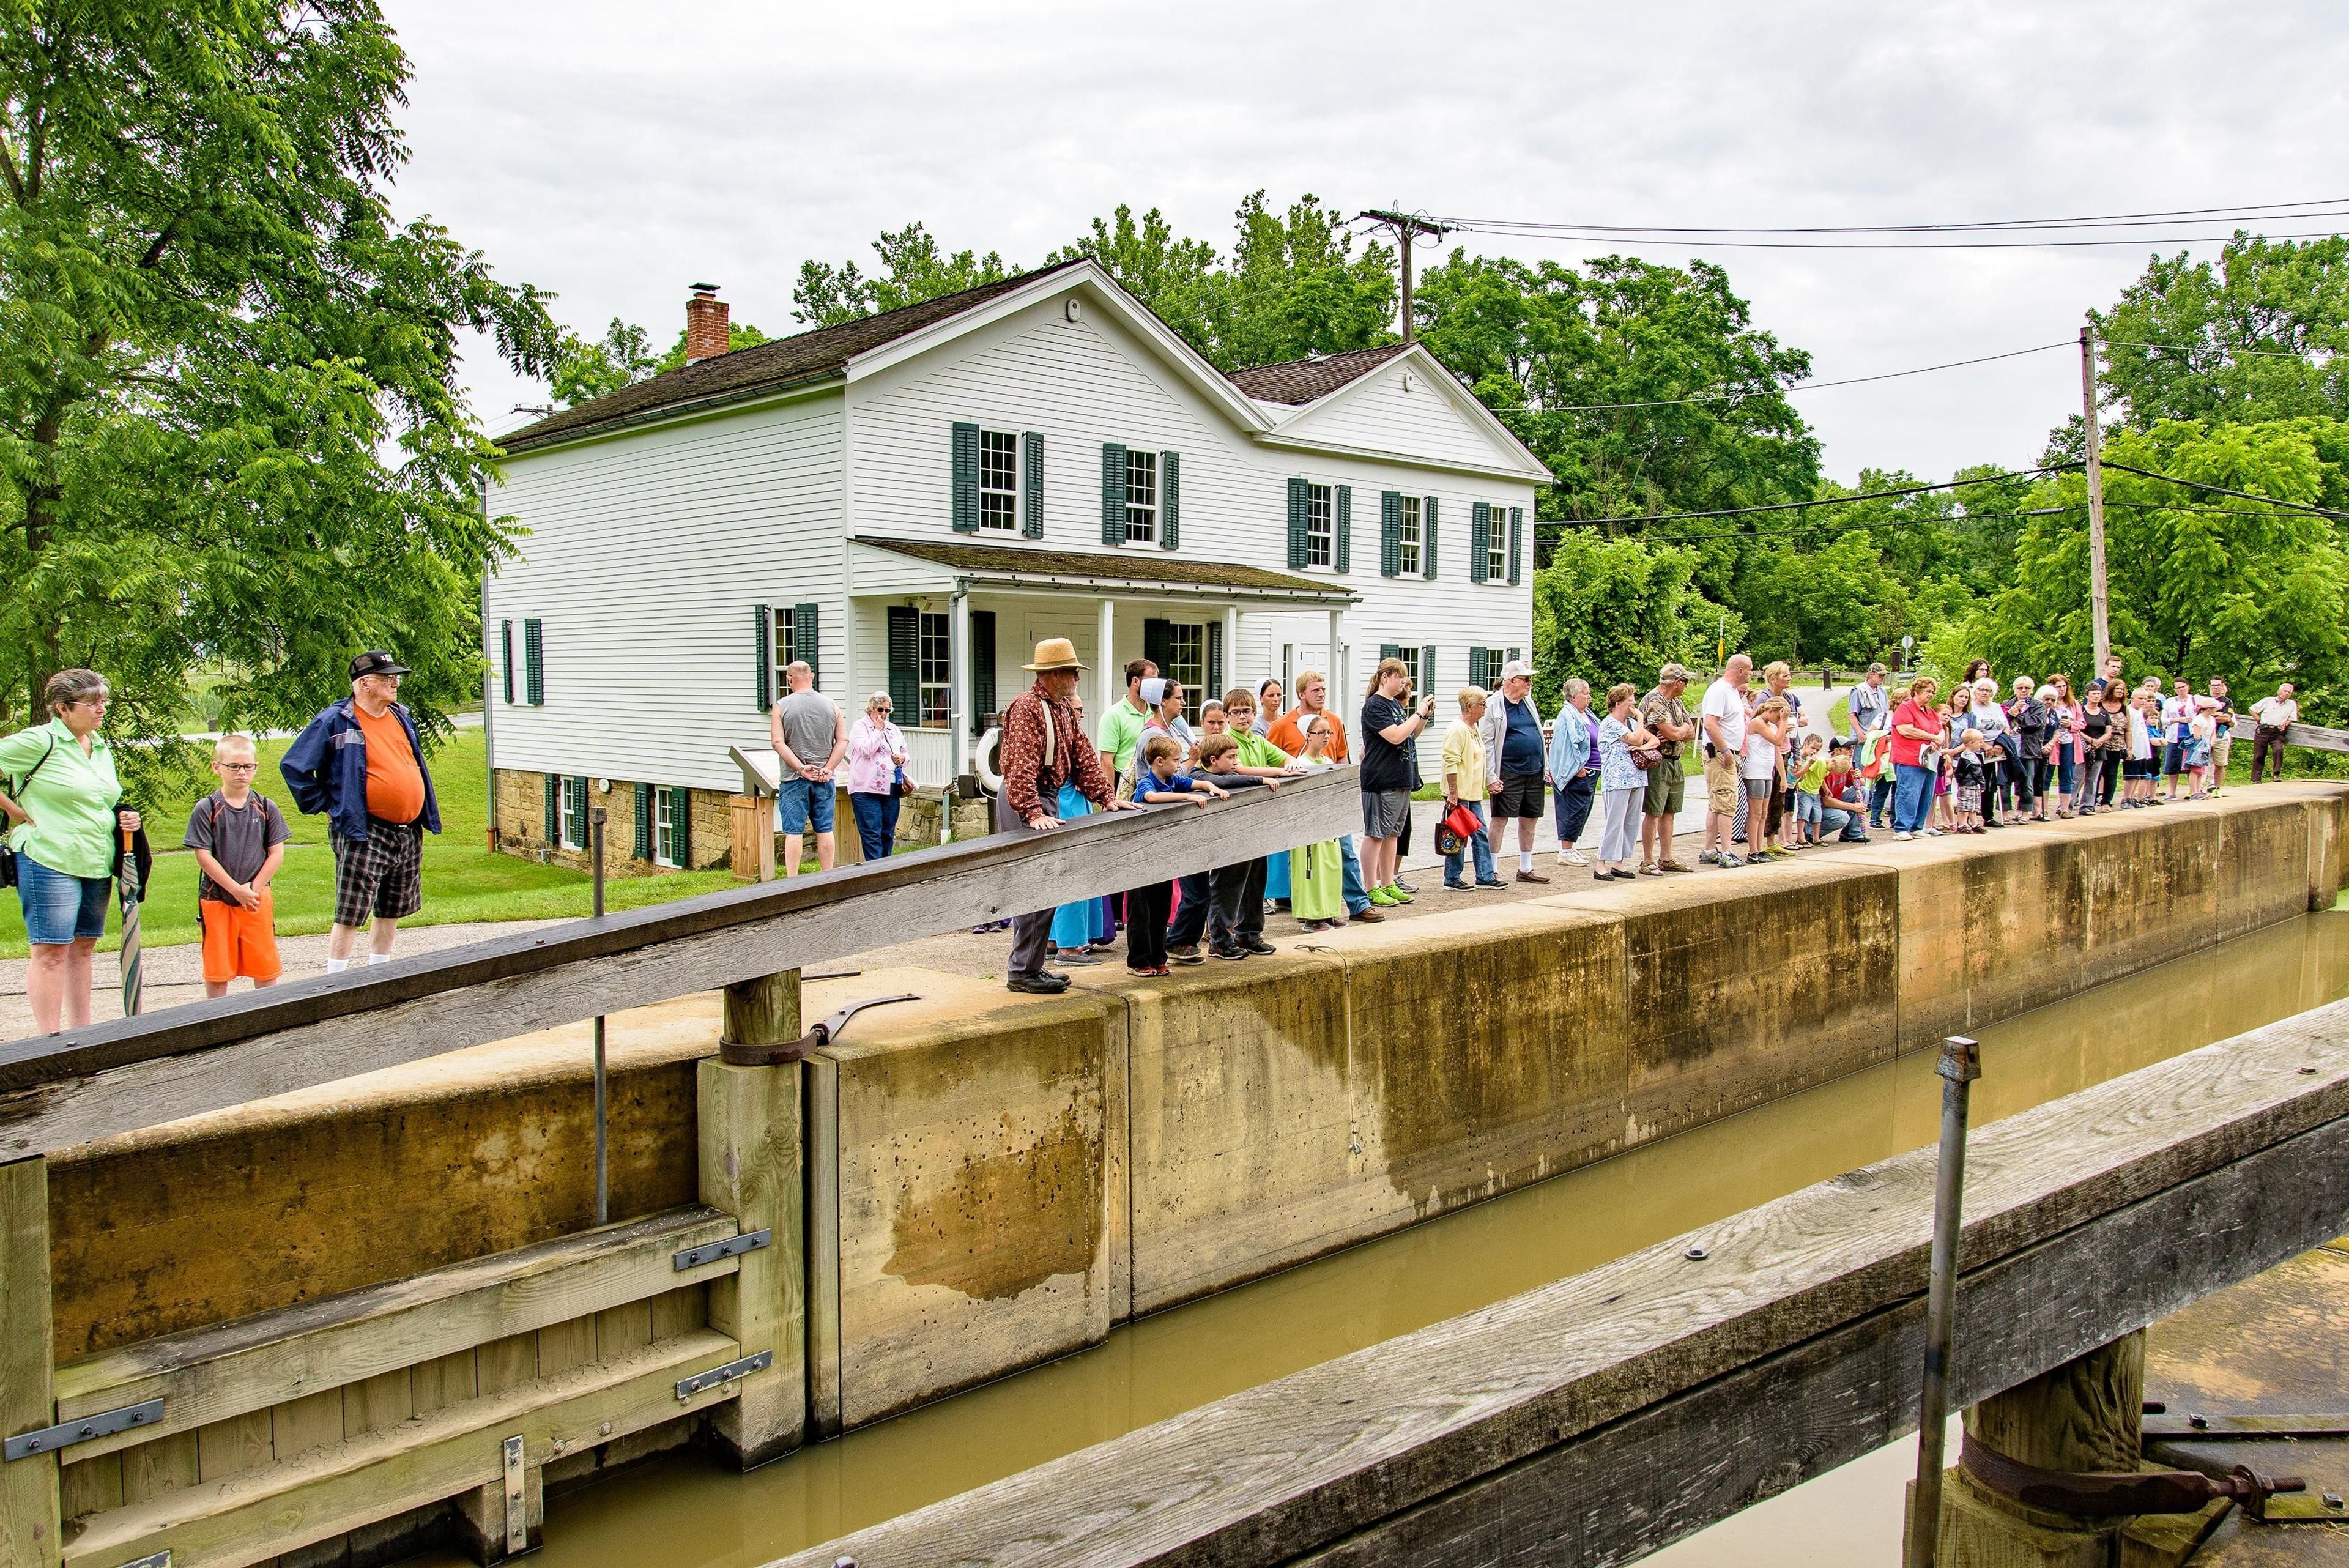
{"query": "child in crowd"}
(1467, 782)
(1235, 893)
(2201, 733)
(1810, 774)
(1843, 790)
(1316, 871)
(1970, 768)
(239, 838)
(1158, 781)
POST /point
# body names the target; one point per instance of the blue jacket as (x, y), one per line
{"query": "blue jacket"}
(326, 767)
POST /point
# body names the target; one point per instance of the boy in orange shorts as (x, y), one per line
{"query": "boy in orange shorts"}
(239, 838)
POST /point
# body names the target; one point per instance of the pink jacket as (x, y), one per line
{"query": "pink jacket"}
(872, 768)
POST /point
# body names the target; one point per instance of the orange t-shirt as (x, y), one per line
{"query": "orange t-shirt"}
(395, 789)
(1287, 732)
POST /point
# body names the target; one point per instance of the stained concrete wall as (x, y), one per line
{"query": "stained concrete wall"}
(998, 1179)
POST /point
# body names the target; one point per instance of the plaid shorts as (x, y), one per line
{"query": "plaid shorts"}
(383, 877)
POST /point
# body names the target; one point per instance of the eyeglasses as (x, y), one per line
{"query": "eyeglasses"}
(237, 767)
(99, 701)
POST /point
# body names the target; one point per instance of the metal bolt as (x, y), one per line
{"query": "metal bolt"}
(1696, 1254)
(2200, 1423)
(843, 1563)
(607, 1430)
(2333, 1500)
(2308, 1071)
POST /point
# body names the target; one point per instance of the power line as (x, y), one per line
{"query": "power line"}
(2197, 348)
(1601, 237)
(2174, 214)
(2222, 490)
(1824, 501)
(1800, 385)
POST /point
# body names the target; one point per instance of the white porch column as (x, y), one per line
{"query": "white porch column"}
(1232, 676)
(958, 688)
(1105, 667)
(1339, 685)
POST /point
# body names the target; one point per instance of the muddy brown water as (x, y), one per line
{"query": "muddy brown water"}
(684, 1512)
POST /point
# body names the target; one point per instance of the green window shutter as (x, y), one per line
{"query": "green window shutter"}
(1032, 486)
(1515, 654)
(966, 479)
(1155, 640)
(553, 834)
(807, 641)
(1516, 541)
(765, 678)
(1299, 501)
(1112, 493)
(1427, 536)
(505, 654)
(982, 668)
(579, 812)
(1390, 532)
(1170, 500)
(905, 663)
(1427, 668)
(680, 817)
(1390, 651)
(1215, 659)
(644, 850)
(1477, 668)
(1480, 542)
(534, 661)
(1345, 525)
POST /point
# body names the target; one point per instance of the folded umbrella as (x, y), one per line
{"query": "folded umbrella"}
(128, 881)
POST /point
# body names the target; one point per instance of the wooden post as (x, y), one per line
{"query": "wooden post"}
(749, 1120)
(2082, 1416)
(29, 1487)
(752, 853)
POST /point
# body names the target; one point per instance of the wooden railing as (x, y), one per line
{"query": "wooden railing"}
(60, 1090)
(1603, 1417)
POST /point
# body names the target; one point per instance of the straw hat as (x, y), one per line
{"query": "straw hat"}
(1055, 653)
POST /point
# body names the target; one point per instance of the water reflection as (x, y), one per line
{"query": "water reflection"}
(681, 1510)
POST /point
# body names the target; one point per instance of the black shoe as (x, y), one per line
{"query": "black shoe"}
(1229, 952)
(1257, 945)
(1281, 905)
(1037, 984)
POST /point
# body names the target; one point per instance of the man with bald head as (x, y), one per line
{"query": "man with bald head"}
(1721, 720)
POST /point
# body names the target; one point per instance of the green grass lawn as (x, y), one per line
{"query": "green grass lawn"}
(463, 881)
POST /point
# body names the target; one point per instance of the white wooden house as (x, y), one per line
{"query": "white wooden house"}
(910, 501)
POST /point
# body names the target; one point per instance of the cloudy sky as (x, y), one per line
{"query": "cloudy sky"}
(615, 153)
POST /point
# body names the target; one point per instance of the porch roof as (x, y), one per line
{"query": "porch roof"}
(1029, 567)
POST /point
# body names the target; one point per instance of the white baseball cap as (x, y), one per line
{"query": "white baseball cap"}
(1514, 668)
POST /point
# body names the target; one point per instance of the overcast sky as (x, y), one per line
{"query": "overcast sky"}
(615, 153)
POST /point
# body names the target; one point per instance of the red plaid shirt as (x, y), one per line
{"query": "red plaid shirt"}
(1032, 781)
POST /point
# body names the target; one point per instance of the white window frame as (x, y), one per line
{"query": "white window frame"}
(665, 828)
(934, 629)
(780, 648)
(1321, 525)
(1141, 495)
(574, 827)
(1005, 500)
(1187, 661)
(1408, 555)
(1496, 543)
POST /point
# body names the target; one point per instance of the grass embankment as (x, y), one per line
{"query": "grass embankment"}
(463, 881)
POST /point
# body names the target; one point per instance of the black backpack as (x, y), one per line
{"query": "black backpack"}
(15, 789)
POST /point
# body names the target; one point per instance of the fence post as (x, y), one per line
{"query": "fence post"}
(751, 1168)
(29, 1487)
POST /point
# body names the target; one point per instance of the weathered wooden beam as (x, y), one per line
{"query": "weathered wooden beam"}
(1602, 1416)
(749, 1167)
(221, 1370)
(61, 1090)
(2313, 737)
(29, 1487)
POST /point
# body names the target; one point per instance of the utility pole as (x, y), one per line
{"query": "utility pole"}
(2096, 596)
(1407, 227)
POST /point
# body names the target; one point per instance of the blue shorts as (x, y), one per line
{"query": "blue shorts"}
(59, 908)
(2173, 757)
(802, 802)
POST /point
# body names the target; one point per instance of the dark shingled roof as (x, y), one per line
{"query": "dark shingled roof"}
(747, 372)
(1302, 380)
(1123, 568)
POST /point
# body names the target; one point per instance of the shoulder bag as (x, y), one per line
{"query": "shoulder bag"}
(16, 792)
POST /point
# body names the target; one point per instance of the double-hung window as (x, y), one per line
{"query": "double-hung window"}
(1407, 537)
(1496, 546)
(668, 828)
(783, 646)
(1140, 497)
(1187, 661)
(1321, 525)
(574, 812)
(998, 480)
(936, 667)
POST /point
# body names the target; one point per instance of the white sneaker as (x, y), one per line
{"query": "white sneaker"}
(1572, 858)
(1904, 837)
(1933, 833)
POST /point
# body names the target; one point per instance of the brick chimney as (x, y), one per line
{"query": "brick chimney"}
(705, 324)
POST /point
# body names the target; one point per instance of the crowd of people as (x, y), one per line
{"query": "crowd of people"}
(1777, 780)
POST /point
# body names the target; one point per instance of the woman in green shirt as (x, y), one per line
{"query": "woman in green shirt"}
(64, 806)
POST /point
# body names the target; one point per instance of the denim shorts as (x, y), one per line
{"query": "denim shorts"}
(58, 908)
(803, 802)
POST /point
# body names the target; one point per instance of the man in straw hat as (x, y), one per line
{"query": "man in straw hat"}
(1044, 747)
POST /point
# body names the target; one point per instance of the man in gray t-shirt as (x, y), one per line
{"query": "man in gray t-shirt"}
(811, 735)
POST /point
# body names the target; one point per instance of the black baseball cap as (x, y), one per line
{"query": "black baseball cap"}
(376, 662)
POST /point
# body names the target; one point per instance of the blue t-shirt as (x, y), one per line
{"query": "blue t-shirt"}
(1521, 748)
(1179, 784)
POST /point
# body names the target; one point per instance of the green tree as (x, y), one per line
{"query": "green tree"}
(1175, 277)
(1618, 609)
(913, 269)
(583, 370)
(2263, 332)
(231, 427)
(1295, 287)
(1588, 367)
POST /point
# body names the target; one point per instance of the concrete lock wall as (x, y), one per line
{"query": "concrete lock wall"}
(995, 1180)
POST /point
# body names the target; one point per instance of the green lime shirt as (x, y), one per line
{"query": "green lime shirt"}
(72, 800)
(1121, 731)
(1255, 751)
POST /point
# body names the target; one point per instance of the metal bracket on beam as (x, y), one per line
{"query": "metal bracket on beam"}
(66, 1434)
(816, 1039)
(157, 1559)
(517, 1503)
(710, 1252)
(717, 1377)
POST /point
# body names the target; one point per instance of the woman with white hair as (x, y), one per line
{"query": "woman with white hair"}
(876, 777)
(1987, 716)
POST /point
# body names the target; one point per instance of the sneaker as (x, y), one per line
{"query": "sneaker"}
(1368, 918)
(1452, 887)
(1729, 862)
(1572, 856)
(1400, 886)
(1257, 945)
(1933, 833)
(1398, 893)
(1187, 953)
(1160, 972)
(1710, 858)
(1039, 985)
(1382, 897)
(1232, 952)
(1903, 837)
(1488, 885)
